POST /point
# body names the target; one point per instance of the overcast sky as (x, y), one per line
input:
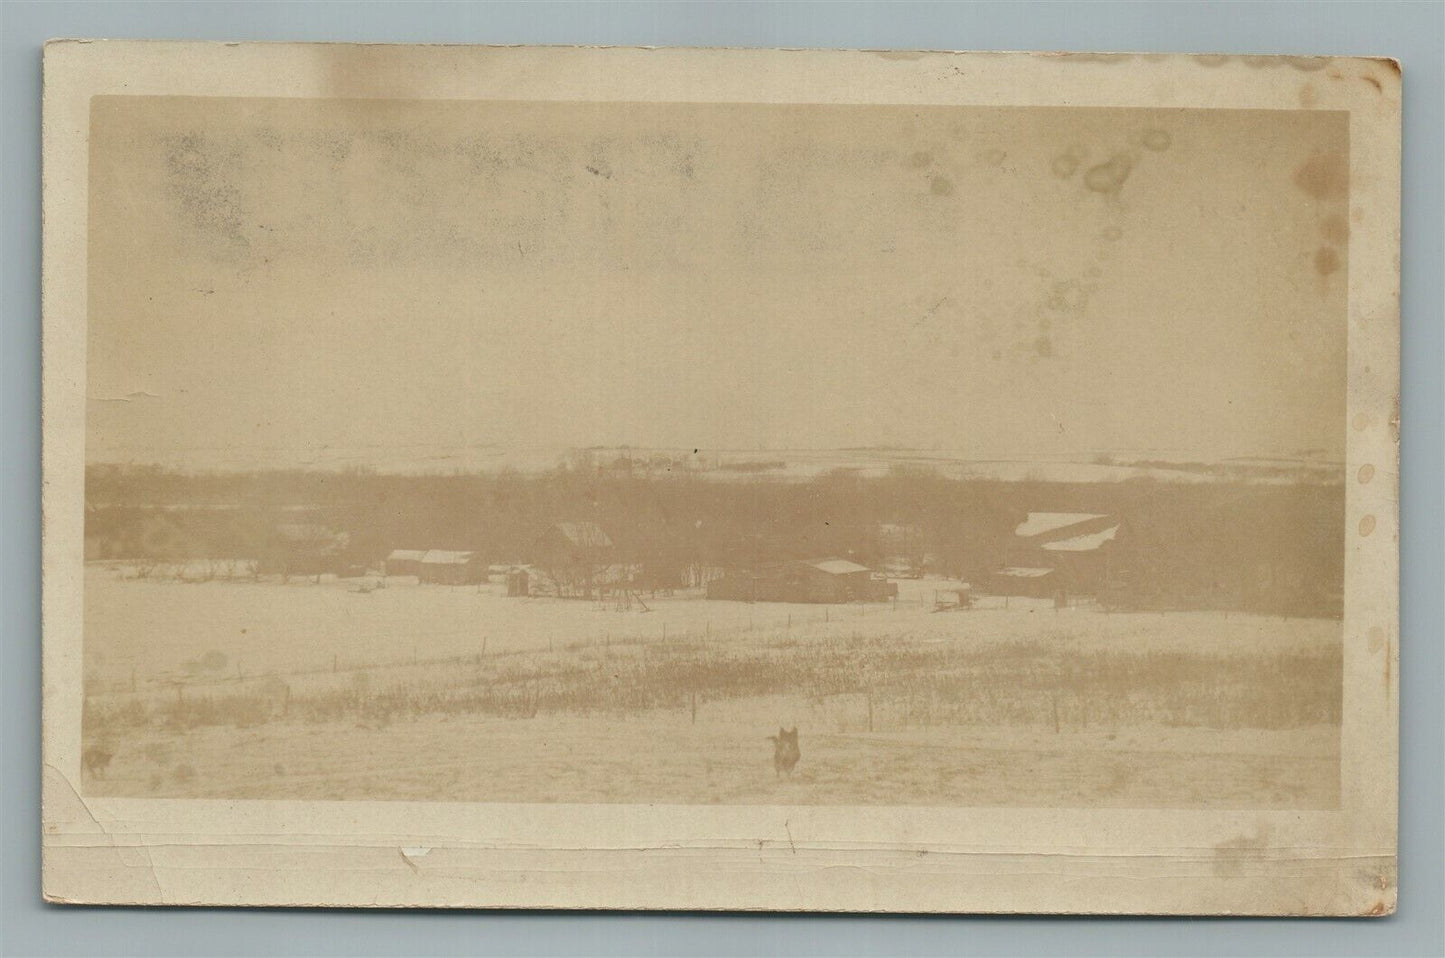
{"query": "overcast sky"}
(409, 278)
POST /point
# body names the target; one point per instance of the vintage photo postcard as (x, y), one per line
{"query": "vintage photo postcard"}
(720, 479)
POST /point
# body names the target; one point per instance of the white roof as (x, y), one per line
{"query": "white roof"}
(1086, 543)
(1016, 572)
(446, 557)
(409, 555)
(838, 566)
(1039, 523)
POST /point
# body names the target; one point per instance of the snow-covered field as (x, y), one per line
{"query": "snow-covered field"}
(309, 690)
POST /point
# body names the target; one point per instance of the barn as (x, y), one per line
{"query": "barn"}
(576, 556)
(1053, 553)
(404, 561)
(446, 567)
(816, 580)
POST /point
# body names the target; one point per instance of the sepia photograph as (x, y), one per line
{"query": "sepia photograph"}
(546, 452)
(677, 451)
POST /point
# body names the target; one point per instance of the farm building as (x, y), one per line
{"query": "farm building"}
(304, 549)
(1035, 582)
(404, 561)
(820, 580)
(446, 567)
(576, 556)
(1058, 552)
(437, 565)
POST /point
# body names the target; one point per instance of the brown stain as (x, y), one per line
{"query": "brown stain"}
(920, 159)
(1325, 176)
(1157, 140)
(1357, 215)
(1326, 260)
(1335, 229)
(1375, 639)
(941, 186)
(1389, 667)
(1308, 96)
(1230, 855)
(1361, 421)
(1395, 421)
(1373, 82)
(1067, 163)
(1109, 177)
(1367, 472)
(1068, 296)
(1380, 908)
(1367, 526)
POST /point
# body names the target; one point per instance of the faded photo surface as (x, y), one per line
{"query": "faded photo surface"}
(734, 453)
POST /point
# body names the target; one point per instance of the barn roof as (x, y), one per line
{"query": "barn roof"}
(1084, 543)
(588, 535)
(406, 555)
(1019, 572)
(446, 557)
(1039, 523)
(838, 566)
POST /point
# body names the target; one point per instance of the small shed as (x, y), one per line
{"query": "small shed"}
(518, 583)
(446, 567)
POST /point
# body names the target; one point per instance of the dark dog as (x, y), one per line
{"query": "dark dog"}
(95, 761)
(785, 751)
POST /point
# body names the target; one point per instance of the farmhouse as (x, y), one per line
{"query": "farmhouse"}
(818, 580)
